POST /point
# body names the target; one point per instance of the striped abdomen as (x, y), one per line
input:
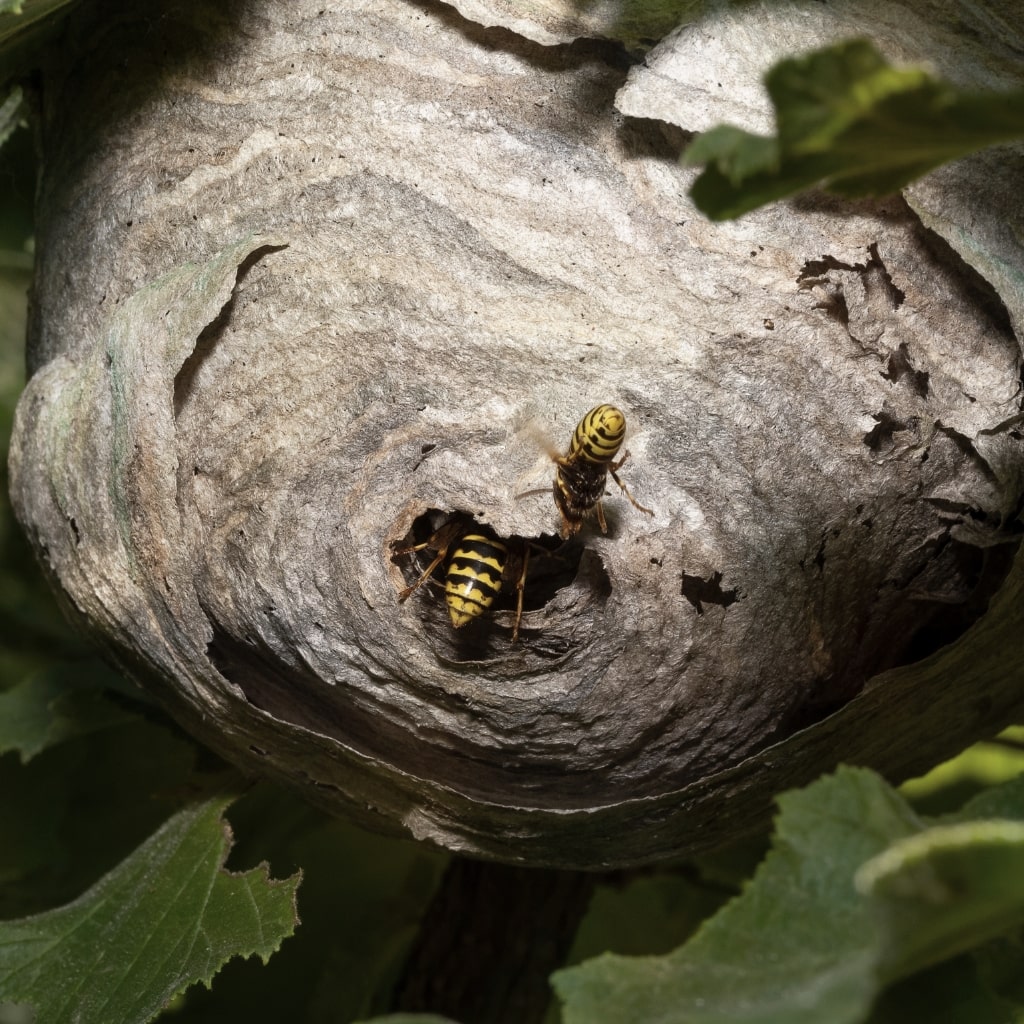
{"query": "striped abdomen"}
(474, 577)
(598, 436)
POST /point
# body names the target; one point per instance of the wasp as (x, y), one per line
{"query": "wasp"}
(580, 476)
(476, 571)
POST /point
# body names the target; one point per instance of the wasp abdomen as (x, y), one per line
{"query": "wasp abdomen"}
(474, 577)
(598, 436)
(477, 567)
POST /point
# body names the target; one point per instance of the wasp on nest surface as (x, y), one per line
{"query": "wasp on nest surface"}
(581, 474)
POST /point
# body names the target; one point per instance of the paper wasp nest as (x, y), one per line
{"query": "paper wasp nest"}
(314, 282)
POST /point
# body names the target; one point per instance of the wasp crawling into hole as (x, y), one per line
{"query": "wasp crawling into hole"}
(581, 474)
(478, 568)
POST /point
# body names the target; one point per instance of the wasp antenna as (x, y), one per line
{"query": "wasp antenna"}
(530, 494)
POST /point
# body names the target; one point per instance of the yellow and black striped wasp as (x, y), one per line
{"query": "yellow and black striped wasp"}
(581, 474)
(476, 571)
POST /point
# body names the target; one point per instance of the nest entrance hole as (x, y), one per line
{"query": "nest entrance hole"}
(552, 564)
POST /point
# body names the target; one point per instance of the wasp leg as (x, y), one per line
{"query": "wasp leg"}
(625, 490)
(441, 540)
(427, 572)
(520, 587)
(600, 515)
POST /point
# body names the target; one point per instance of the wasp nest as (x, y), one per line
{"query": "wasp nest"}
(321, 291)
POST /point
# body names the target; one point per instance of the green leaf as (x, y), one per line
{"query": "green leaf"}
(849, 122)
(821, 95)
(736, 154)
(1004, 801)
(55, 704)
(642, 23)
(946, 891)
(798, 945)
(651, 914)
(977, 772)
(167, 917)
(361, 901)
(721, 192)
(855, 897)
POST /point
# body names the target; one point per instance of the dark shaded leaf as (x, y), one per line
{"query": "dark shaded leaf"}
(167, 917)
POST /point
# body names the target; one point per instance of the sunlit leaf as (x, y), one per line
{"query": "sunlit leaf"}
(849, 122)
